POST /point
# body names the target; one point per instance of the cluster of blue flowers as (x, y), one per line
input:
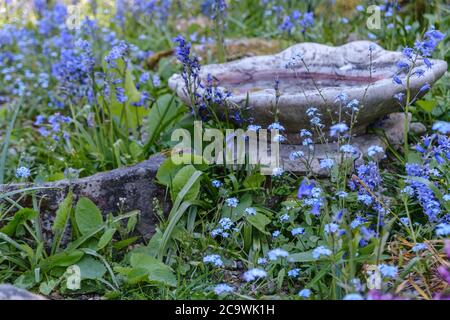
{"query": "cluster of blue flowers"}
(295, 20)
(53, 126)
(421, 52)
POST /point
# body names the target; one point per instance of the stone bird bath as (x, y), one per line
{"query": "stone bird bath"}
(331, 69)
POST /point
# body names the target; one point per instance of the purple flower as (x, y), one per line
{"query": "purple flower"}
(305, 189)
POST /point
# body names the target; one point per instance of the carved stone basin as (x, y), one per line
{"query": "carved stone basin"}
(331, 69)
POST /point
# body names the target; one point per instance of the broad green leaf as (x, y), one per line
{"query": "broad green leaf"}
(46, 288)
(63, 259)
(237, 213)
(180, 180)
(87, 216)
(254, 181)
(19, 218)
(301, 257)
(119, 245)
(162, 115)
(106, 238)
(427, 105)
(259, 221)
(156, 270)
(131, 223)
(91, 268)
(63, 214)
(167, 171)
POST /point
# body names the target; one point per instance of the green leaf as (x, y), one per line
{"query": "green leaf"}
(167, 171)
(301, 257)
(119, 245)
(259, 221)
(427, 105)
(237, 213)
(87, 216)
(180, 180)
(63, 214)
(125, 111)
(155, 269)
(162, 115)
(91, 268)
(106, 238)
(131, 223)
(19, 218)
(63, 259)
(46, 288)
(254, 181)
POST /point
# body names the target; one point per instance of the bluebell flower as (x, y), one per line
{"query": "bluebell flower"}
(305, 189)
(399, 96)
(424, 194)
(397, 80)
(402, 65)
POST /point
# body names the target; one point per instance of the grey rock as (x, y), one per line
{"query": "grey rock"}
(9, 292)
(135, 185)
(417, 128)
(393, 126)
(334, 70)
(311, 161)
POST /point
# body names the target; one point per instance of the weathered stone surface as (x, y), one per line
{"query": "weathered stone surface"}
(333, 69)
(134, 186)
(325, 151)
(391, 125)
(417, 128)
(234, 48)
(9, 292)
